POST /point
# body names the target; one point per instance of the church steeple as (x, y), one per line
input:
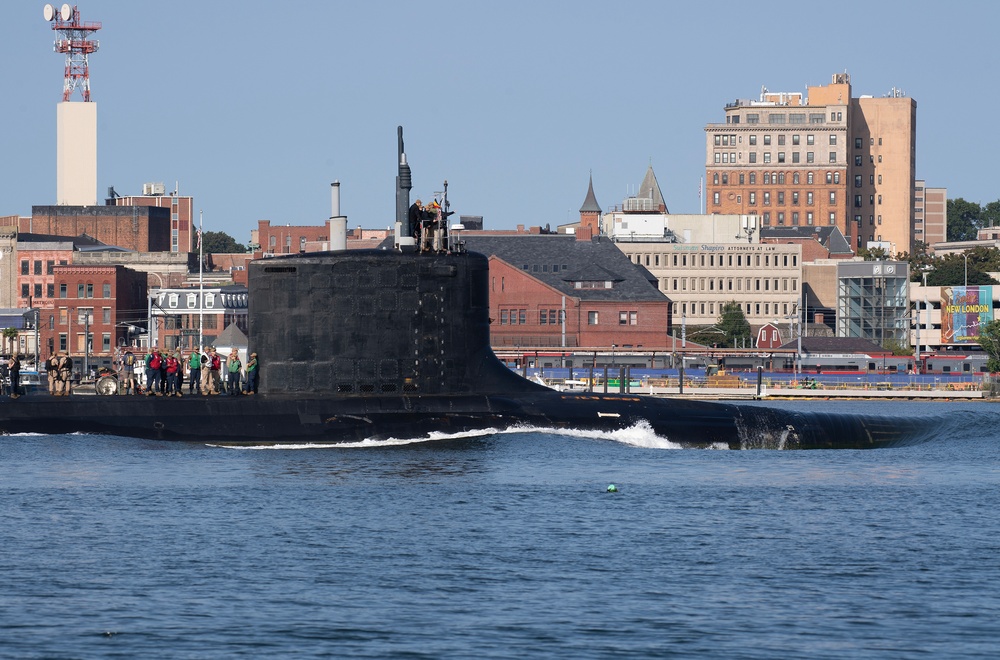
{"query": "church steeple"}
(590, 212)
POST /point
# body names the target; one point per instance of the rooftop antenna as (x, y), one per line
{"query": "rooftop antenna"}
(75, 41)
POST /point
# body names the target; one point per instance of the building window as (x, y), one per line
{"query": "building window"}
(795, 218)
(591, 318)
(107, 290)
(781, 197)
(50, 290)
(302, 243)
(38, 290)
(857, 181)
(833, 156)
(833, 218)
(781, 218)
(809, 178)
(81, 290)
(767, 156)
(767, 140)
(809, 198)
(62, 290)
(833, 196)
(49, 267)
(795, 199)
(90, 290)
(781, 156)
(753, 178)
(753, 140)
(715, 198)
(25, 268)
(809, 218)
(767, 199)
(753, 157)
(857, 201)
(106, 315)
(753, 199)
(810, 157)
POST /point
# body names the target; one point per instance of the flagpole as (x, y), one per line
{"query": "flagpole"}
(201, 283)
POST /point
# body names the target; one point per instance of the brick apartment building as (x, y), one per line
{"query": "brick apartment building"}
(139, 228)
(93, 305)
(181, 209)
(827, 159)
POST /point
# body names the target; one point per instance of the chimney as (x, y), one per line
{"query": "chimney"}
(338, 223)
(584, 233)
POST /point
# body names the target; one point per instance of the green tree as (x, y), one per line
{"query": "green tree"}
(874, 254)
(10, 337)
(989, 339)
(220, 242)
(733, 323)
(950, 270)
(963, 220)
(897, 346)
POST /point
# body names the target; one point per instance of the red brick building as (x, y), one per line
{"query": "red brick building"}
(181, 208)
(609, 301)
(97, 302)
(288, 239)
(139, 228)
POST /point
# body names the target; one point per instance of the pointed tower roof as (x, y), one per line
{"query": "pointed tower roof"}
(650, 189)
(590, 204)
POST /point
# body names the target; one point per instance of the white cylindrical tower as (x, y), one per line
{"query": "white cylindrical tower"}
(338, 223)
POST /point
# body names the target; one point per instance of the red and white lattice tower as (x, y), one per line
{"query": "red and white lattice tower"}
(76, 41)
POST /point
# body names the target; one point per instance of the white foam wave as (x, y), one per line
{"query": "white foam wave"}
(639, 435)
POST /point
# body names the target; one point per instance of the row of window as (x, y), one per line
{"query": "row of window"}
(731, 140)
(730, 284)
(80, 346)
(83, 290)
(795, 218)
(766, 310)
(776, 178)
(720, 260)
(26, 266)
(558, 317)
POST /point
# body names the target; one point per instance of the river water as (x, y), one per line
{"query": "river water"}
(504, 545)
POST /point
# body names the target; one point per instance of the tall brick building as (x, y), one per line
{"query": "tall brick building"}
(95, 305)
(139, 228)
(826, 159)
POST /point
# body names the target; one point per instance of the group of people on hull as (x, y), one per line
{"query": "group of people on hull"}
(206, 371)
(426, 224)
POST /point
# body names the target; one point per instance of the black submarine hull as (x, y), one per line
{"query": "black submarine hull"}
(284, 419)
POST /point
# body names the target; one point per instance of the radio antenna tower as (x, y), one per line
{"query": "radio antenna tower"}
(75, 41)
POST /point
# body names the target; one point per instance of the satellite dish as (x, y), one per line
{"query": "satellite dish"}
(66, 12)
(49, 12)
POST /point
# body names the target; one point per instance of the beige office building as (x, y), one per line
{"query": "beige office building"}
(824, 159)
(700, 278)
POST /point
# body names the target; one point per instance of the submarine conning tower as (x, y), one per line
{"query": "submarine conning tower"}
(375, 323)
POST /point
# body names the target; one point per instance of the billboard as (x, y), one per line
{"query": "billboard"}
(963, 310)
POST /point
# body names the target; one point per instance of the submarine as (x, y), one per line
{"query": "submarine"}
(395, 343)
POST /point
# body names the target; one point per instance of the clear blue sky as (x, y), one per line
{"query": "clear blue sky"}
(255, 106)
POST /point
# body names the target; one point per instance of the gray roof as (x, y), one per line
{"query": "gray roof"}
(828, 236)
(231, 337)
(79, 242)
(650, 189)
(836, 345)
(560, 260)
(590, 204)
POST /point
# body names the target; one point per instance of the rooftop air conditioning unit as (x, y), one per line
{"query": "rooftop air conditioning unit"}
(153, 189)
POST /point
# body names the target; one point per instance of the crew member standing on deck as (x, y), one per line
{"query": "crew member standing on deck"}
(252, 374)
(415, 217)
(194, 377)
(65, 385)
(215, 366)
(52, 369)
(14, 369)
(233, 367)
(128, 372)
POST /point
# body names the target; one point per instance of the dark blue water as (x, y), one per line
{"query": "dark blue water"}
(503, 546)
